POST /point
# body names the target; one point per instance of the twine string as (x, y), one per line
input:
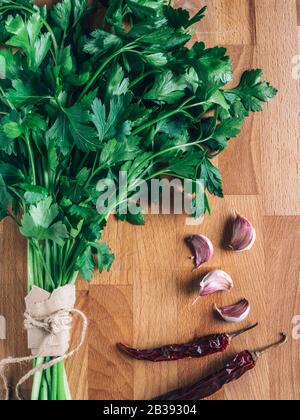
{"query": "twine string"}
(53, 324)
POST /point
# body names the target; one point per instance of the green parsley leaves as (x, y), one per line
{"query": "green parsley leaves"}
(81, 105)
(39, 224)
(28, 37)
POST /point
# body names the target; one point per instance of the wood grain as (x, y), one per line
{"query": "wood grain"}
(283, 273)
(279, 129)
(146, 299)
(77, 366)
(110, 375)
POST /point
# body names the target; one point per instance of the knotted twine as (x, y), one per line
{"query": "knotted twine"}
(48, 321)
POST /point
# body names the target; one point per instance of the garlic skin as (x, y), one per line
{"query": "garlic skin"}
(215, 281)
(243, 235)
(235, 313)
(203, 249)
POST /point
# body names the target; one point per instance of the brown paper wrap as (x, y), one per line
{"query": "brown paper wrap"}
(48, 320)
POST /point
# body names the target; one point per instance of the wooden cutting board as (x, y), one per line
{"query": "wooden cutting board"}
(146, 299)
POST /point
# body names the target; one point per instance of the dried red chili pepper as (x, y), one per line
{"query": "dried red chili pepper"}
(199, 347)
(234, 370)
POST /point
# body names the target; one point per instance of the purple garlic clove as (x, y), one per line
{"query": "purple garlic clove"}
(215, 281)
(235, 313)
(243, 235)
(203, 249)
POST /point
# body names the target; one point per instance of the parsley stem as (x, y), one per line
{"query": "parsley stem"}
(31, 158)
(195, 105)
(5, 99)
(46, 268)
(37, 380)
(142, 77)
(96, 75)
(12, 189)
(169, 149)
(100, 70)
(163, 117)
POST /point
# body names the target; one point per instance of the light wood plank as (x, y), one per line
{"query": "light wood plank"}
(155, 324)
(228, 22)
(240, 163)
(282, 244)
(110, 375)
(77, 366)
(279, 125)
(13, 288)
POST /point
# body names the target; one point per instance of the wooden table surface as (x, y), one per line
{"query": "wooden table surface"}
(146, 299)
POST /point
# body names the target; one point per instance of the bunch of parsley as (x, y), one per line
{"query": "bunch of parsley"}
(78, 105)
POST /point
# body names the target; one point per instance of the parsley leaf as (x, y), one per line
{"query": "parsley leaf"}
(61, 14)
(80, 105)
(212, 178)
(85, 264)
(105, 258)
(114, 152)
(102, 42)
(212, 65)
(24, 94)
(83, 134)
(145, 8)
(224, 131)
(39, 224)
(6, 143)
(113, 124)
(117, 84)
(167, 88)
(60, 133)
(28, 37)
(180, 18)
(187, 166)
(251, 92)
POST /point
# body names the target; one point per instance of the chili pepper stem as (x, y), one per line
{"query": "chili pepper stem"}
(240, 332)
(282, 342)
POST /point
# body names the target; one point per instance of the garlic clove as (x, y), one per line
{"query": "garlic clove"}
(203, 249)
(235, 313)
(215, 281)
(243, 235)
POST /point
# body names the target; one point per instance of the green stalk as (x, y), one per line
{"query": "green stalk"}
(37, 380)
(44, 390)
(61, 393)
(100, 70)
(141, 78)
(163, 117)
(31, 159)
(49, 283)
(66, 385)
(54, 379)
(43, 261)
(48, 376)
(30, 267)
